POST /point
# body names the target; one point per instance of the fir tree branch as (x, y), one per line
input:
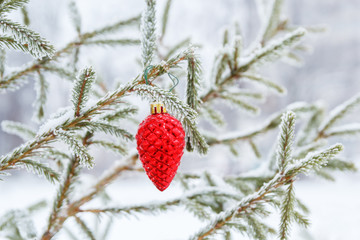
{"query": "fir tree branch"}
(250, 202)
(271, 85)
(80, 150)
(18, 129)
(156, 207)
(48, 135)
(25, 14)
(117, 148)
(165, 18)
(81, 90)
(193, 83)
(271, 123)
(345, 130)
(63, 193)
(75, 16)
(107, 128)
(271, 52)
(287, 212)
(11, 5)
(112, 42)
(120, 114)
(273, 21)
(39, 169)
(243, 105)
(41, 87)
(2, 63)
(16, 79)
(103, 182)
(338, 113)
(38, 47)
(85, 228)
(176, 47)
(148, 28)
(313, 160)
(286, 140)
(134, 21)
(10, 42)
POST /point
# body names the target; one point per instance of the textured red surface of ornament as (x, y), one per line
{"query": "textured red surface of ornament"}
(160, 142)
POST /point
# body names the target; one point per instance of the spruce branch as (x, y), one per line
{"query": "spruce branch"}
(162, 206)
(38, 46)
(117, 148)
(347, 130)
(271, 123)
(86, 230)
(120, 114)
(18, 129)
(339, 164)
(48, 134)
(177, 47)
(313, 160)
(148, 28)
(97, 188)
(260, 197)
(17, 78)
(270, 84)
(111, 42)
(63, 193)
(272, 23)
(41, 87)
(10, 42)
(286, 140)
(287, 212)
(28, 149)
(81, 90)
(339, 113)
(2, 63)
(107, 128)
(25, 14)
(80, 150)
(243, 105)
(269, 53)
(75, 16)
(273, 50)
(134, 21)
(39, 169)
(193, 83)
(7, 6)
(165, 18)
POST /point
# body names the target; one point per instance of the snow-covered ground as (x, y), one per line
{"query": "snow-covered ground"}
(334, 207)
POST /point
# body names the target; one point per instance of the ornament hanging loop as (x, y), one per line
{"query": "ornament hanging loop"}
(174, 79)
(146, 72)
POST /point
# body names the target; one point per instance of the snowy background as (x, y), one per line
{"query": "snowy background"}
(331, 73)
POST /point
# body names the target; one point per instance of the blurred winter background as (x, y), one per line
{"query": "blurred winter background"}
(331, 73)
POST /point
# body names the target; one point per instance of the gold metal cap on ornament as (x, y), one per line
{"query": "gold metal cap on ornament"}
(157, 107)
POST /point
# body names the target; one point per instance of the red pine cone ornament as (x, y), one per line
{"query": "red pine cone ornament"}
(160, 142)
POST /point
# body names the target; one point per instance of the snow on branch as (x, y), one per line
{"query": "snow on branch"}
(7, 6)
(18, 129)
(38, 46)
(79, 150)
(286, 140)
(81, 90)
(339, 113)
(273, 51)
(148, 30)
(252, 202)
